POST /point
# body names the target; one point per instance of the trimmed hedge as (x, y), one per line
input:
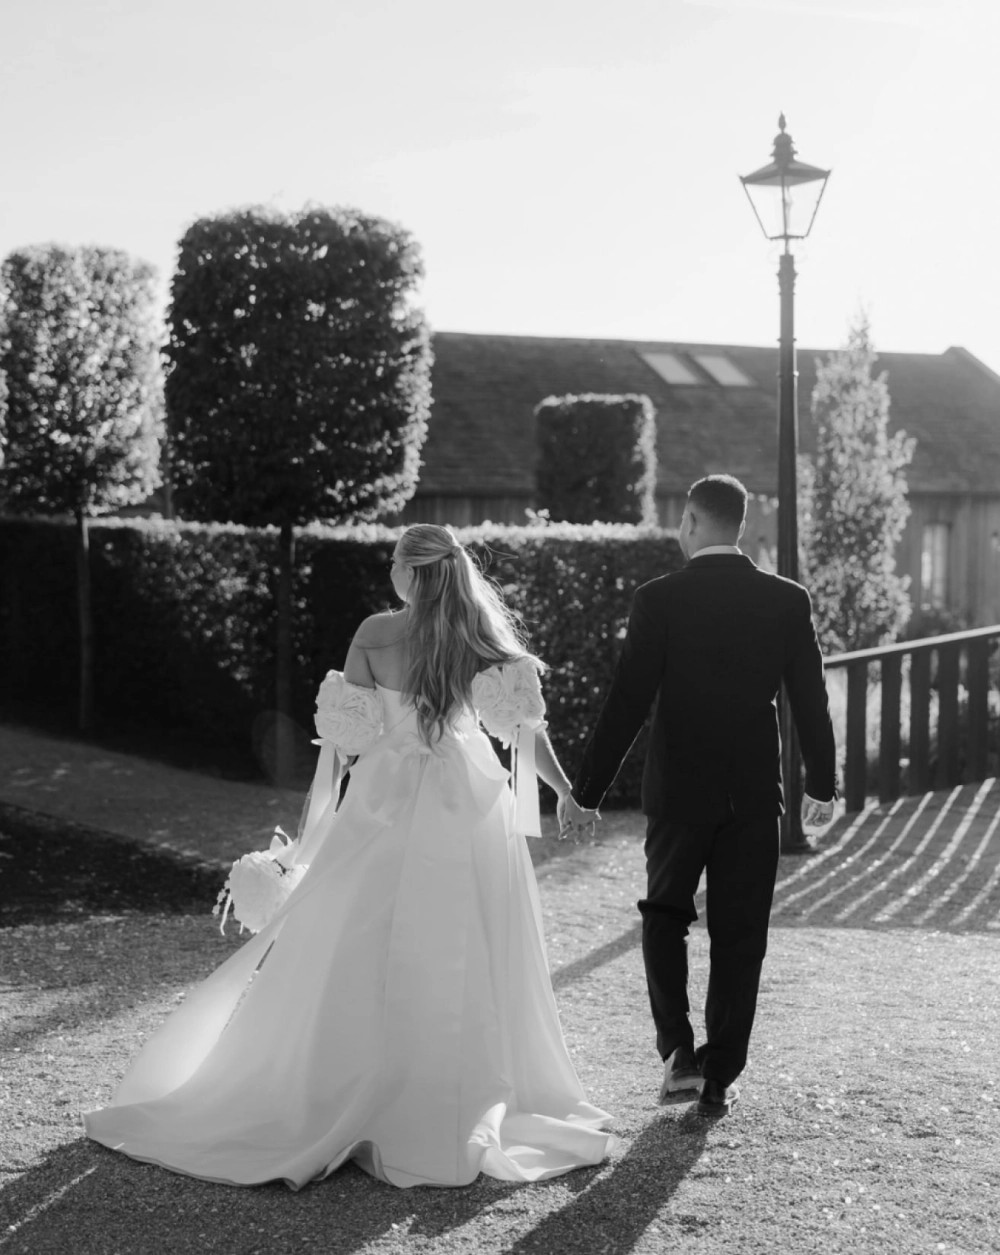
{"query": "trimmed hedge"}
(597, 458)
(184, 620)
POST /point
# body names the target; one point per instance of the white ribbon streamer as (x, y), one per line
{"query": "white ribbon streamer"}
(324, 793)
(527, 816)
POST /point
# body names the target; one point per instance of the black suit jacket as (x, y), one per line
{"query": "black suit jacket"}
(710, 645)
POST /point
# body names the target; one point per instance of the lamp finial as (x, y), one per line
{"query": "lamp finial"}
(784, 149)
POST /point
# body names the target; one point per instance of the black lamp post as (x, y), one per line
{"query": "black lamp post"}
(785, 195)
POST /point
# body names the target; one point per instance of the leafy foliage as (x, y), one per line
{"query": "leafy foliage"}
(934, 621)
(853, 502)
(299, 374)
(185, 616)
(79, 352)
(597, 458)
(3, 400)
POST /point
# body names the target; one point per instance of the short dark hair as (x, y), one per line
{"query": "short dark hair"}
(722, 497)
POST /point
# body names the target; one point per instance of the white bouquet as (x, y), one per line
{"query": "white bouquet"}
(259, 884)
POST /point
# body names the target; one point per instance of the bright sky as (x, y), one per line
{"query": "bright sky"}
(569, 168)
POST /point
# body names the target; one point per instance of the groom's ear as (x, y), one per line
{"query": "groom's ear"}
(743, 528)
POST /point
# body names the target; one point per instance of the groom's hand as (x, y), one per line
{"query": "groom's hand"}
(573, 819)
(815, 815)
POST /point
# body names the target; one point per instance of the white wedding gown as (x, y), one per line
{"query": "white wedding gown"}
(397, 1010)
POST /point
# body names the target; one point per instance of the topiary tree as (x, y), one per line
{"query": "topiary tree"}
(81, 360)
(597, 458)
(3, 407)
(854, 505)
(298, 383)
(3, 403)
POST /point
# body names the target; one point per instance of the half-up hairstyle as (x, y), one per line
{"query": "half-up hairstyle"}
(458, 625)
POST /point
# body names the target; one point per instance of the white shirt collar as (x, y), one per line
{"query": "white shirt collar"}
(730, 549)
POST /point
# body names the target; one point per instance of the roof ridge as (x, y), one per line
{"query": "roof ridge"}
(481, 436)
(970, 359)
(693, 346)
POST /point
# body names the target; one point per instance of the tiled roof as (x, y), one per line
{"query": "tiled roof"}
(485, 389)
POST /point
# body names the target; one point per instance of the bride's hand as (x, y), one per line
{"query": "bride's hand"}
(574, 820)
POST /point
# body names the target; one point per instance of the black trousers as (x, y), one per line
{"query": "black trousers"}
(740, 858)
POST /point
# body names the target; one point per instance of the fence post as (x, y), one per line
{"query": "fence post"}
(920, 707)
(947, 682)
(856, 759)
(978, 682)
(888, 751)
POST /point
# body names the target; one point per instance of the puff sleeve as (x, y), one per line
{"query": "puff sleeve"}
(347, 715)
(510, 705)
(349, 720)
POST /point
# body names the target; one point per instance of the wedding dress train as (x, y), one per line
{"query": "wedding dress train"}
(397, 1010)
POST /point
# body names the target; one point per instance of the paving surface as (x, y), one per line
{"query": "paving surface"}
(869, 1118)
(931, 861)
(194, 814)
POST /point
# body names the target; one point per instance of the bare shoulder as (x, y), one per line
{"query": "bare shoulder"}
(380, 630)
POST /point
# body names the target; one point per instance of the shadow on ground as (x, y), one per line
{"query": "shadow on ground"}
(84, 1198)
(87, 1199)
(56, 871)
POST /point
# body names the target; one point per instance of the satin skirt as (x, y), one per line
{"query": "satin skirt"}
(397, 1011)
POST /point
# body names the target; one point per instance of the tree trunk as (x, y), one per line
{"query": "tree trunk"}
(167, 473)
(85, 713)
(285, 746)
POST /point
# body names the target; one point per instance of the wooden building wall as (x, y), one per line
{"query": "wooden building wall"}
(973, 566)
(973, 563)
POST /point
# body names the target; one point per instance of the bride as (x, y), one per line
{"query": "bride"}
(397, 1009)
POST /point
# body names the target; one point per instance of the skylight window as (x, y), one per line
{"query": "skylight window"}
(723, 371)
(670, 367)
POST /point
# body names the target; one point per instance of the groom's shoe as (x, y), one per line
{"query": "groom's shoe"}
(716, 1099)
(680, 1073)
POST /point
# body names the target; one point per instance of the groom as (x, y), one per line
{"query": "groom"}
(708, 647)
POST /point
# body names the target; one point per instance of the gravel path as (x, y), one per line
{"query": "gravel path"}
(869, 1120)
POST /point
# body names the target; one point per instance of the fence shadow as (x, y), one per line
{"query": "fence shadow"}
(593, 959)
(928, 861)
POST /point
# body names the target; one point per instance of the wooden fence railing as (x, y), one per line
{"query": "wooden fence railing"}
(934, 670)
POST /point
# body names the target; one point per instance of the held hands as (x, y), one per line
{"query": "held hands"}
(815, 815)
(574, 820)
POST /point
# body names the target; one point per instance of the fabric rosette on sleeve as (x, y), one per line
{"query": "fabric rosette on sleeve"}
(511, 707)
(259, 884)
(347, 715)
(349, 720)
(507, 697)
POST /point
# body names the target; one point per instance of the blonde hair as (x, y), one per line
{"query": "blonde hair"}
(458, 624)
